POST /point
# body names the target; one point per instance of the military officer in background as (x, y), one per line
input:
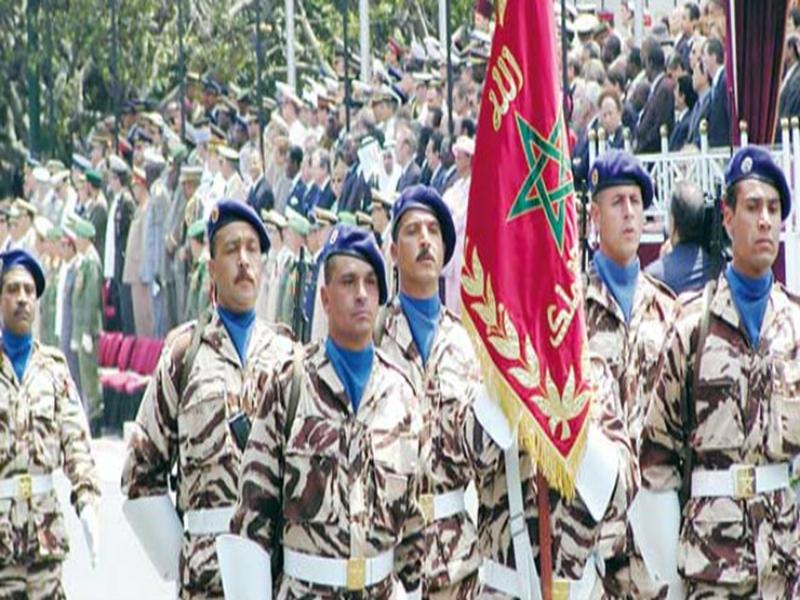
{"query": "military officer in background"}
(727, 389)
(42, 428)
(330, 476)
(430, 345)
(199, 284)
(627, 316)
(87, 320)
(183, 421)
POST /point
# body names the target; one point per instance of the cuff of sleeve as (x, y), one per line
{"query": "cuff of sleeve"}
(597, 474)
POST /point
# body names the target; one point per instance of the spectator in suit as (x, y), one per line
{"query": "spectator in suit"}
(293, 172)
(660, 107)
(718, 115)
(683, 45)
(701, 89)
(260, 196)
(687, 265)
(321, 194)
(404, 154)
(356, 194)
(442, 176)
(616, 79)
(611, 117)
(685, 99)
(789, 97)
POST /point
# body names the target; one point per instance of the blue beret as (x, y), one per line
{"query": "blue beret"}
(22, 258)
(427, 198)
(354, 241)
(752, 162)
(228, 211)
(616, 167)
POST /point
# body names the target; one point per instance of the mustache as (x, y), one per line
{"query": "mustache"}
(244, 275)
(425, 253)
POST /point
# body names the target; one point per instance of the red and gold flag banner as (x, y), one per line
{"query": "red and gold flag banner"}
(520, 284)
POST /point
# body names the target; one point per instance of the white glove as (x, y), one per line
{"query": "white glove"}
(91, 531)
(73, 345)
(86, 343)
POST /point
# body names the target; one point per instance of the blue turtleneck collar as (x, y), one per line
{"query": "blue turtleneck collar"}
(353, 368)
(422, 315)
(750, 296)
(239, 326)
(621, 281)
(18, 349)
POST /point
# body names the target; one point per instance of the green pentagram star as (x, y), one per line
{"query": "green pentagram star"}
(534, 193)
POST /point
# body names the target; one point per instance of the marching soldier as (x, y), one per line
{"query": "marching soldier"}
(183, 421)
(431, 346)
(42, 428)
(87, 318)
(627, 312)
(724, 419)
(330, 476)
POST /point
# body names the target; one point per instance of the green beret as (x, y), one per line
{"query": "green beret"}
(297, 222)
(197, 230)
(94, 177)
(82, 228)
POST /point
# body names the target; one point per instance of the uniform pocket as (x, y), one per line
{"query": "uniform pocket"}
(719, 423)
(311, 473)
(716, 543)
(44, 429)
(6, 533)
(784, 433)
(202, 426)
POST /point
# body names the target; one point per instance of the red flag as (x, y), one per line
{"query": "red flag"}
(521, 289)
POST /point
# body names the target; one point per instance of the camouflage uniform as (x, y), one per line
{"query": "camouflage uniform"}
(42, 428)
(452, 558)
(189, 428)
(199, 288)
(575, 534)
(746, 412)
(347, 485)
(630, 351)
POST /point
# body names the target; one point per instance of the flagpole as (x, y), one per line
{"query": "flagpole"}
(545, 538)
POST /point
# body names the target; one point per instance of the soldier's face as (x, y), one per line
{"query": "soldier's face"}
(18, 300)
(754, 226)
(236, 266)
(618, 214)
(350, 299)
(419, 253)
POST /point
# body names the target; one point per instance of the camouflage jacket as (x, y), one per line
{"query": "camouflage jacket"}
(347, 484)
(442, 387)
(631, 352)
(42, 428)
(189, 428)
(575, 534)
(747, 411)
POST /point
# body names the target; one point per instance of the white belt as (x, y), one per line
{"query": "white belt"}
(740, 481)
(354, 573)
(207, 521)
(25, 486)
(506, 580)
(441, 506)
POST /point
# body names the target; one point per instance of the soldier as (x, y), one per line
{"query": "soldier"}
(87, 318)
(295, 235)
(627, 312)
(42, 428)
(120, 215)
(229, 167)
(508, 518)
(277, 260)
(96, 209)
(199, 283)
(724, 417)
(51, 263)
(330, 475)
(198, 386)
(324, 221)
(430, 345)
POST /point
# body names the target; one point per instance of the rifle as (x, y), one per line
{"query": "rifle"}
(713, 220)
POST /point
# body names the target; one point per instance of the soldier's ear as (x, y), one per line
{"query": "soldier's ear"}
(393, 251)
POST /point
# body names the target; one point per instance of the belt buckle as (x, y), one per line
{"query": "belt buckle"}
(25, 486)
(561, 589)
(744, 481)
(426, 506)
(356, 574)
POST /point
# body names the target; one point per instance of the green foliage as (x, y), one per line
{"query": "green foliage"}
(219, 38)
